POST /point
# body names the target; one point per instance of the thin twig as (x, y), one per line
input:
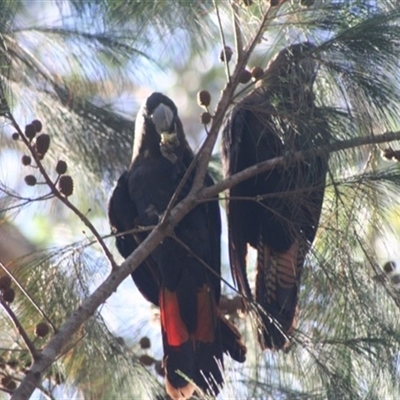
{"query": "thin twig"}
(252, 44)
(46, 393)
(223, 41)
(63, 199)
(260, 197)
(19, 205)
(27, 199)
(237, 31)
(138, 229)
(27, 295)
(252, 304)
(202, 262)
(28, 343)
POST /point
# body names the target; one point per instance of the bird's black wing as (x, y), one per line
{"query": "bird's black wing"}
(122, 214)
(214, 228)
(246, 142)
(237, 211)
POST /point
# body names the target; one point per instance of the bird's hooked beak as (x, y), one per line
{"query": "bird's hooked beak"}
(164, 122)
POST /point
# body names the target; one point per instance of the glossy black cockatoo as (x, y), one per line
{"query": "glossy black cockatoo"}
(195, 334)
(276, 212)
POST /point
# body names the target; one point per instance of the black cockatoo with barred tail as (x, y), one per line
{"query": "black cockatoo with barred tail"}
(276, 212)
(195, 334)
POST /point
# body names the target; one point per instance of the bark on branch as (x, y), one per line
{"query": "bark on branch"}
(296, 157)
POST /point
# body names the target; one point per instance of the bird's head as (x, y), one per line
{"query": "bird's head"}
(292, 72)
(158, 128)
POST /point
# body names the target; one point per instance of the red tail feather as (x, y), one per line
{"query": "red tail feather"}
(172, 325)
(191, 356)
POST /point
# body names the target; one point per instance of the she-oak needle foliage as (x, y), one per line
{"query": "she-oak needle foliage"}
(67, 73)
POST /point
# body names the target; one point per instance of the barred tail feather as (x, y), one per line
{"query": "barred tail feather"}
(277, 292)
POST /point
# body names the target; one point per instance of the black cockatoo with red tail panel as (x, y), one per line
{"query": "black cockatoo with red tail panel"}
(195, 334)
(276, 212)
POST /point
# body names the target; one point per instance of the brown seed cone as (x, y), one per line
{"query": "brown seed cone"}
(26, 160)
(8, 382)
(37, 124)
(9, 295)
(13, 363)
(145, 342)
(59, 378)
(205, 118)
(42, 145)
(147, 360)
(30, 180)
(388, 153)
(228, 52)
(5, 282)
(244, 76)
(61, 167)
(42, 329)
(204, 98)
(30, 131)
(66, 185)
(257, 73)
(389, 267)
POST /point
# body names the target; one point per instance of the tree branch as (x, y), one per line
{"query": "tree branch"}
(297, 156)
